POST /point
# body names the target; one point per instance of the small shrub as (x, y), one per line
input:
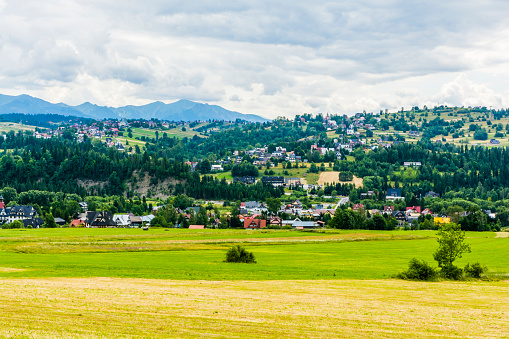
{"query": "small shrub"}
(452, 272)
(475, 270)
(418, 270)
(239, 254)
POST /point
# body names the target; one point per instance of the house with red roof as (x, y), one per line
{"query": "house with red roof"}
(77, 223)
(414, 209)
(250, 223)
(196, 227)
(388, 209)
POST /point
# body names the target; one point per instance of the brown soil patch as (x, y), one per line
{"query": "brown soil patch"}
(140, 308)
(333, 177)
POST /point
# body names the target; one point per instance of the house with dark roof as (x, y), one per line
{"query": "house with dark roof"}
(393, 194)
(432, 194)
(399, 216)
(245, 180)
(34, 223)
(60, 221)
(274, 181)
(9, 214)
(100, 219)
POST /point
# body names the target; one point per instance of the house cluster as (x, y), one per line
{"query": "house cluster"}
(105, 219)
(251, 215)
(26, 214)
(324, 150)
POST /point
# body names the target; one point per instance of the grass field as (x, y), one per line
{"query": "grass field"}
(199, 254)
(104, 283)
(141, 308)
(11, 126)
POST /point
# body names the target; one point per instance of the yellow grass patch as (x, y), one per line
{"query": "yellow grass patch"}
(10, 269)
(135, 308)
(333, 177)
(502, 235)
(128, 245)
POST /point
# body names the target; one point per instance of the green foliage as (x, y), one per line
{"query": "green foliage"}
(244, 169)
(49, 221)
(345, 176)
(273, 205)
(451, 245)
(238, 254)
(16, 224)
(451, 272)
(481, 134)
(418, 270)
(475, 270)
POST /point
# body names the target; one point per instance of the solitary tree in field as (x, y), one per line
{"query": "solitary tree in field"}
(451, 246)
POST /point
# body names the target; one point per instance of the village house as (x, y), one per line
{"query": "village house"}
(393, 194)
(412, 164)
(250, 223)
(102, 219)
(274, 181)
(9, 214)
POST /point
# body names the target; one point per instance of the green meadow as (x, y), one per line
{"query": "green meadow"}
(130, 283)
(199, 254)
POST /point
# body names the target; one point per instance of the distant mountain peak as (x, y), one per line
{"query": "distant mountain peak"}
(181, 110)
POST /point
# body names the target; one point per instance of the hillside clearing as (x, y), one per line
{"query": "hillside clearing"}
(141, 308)
(333, 177)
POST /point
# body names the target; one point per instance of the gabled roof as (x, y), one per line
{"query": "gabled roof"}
(254, 223)
(76, 222)
(416, 208)
(103, 218)
(35, 222)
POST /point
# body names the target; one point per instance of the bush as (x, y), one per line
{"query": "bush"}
(452, 272)
(475, 270)
(240, 255)
(418, 270)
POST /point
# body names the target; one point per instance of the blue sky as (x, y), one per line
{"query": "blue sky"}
(267, 58)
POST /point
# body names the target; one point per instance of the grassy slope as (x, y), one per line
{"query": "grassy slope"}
(11, 126)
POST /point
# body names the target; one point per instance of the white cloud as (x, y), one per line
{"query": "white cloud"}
(269, 58)
(461, 91)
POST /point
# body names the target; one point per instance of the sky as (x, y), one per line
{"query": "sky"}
(271, 58)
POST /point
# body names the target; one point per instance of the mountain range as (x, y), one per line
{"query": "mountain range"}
(182, 110)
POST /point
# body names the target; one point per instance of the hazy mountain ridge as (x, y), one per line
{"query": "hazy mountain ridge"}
(181, 110)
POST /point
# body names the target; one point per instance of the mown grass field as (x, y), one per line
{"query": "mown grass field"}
(108, 283)
(141, 308)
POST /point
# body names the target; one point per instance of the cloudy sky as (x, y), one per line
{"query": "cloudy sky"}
(271, 58)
